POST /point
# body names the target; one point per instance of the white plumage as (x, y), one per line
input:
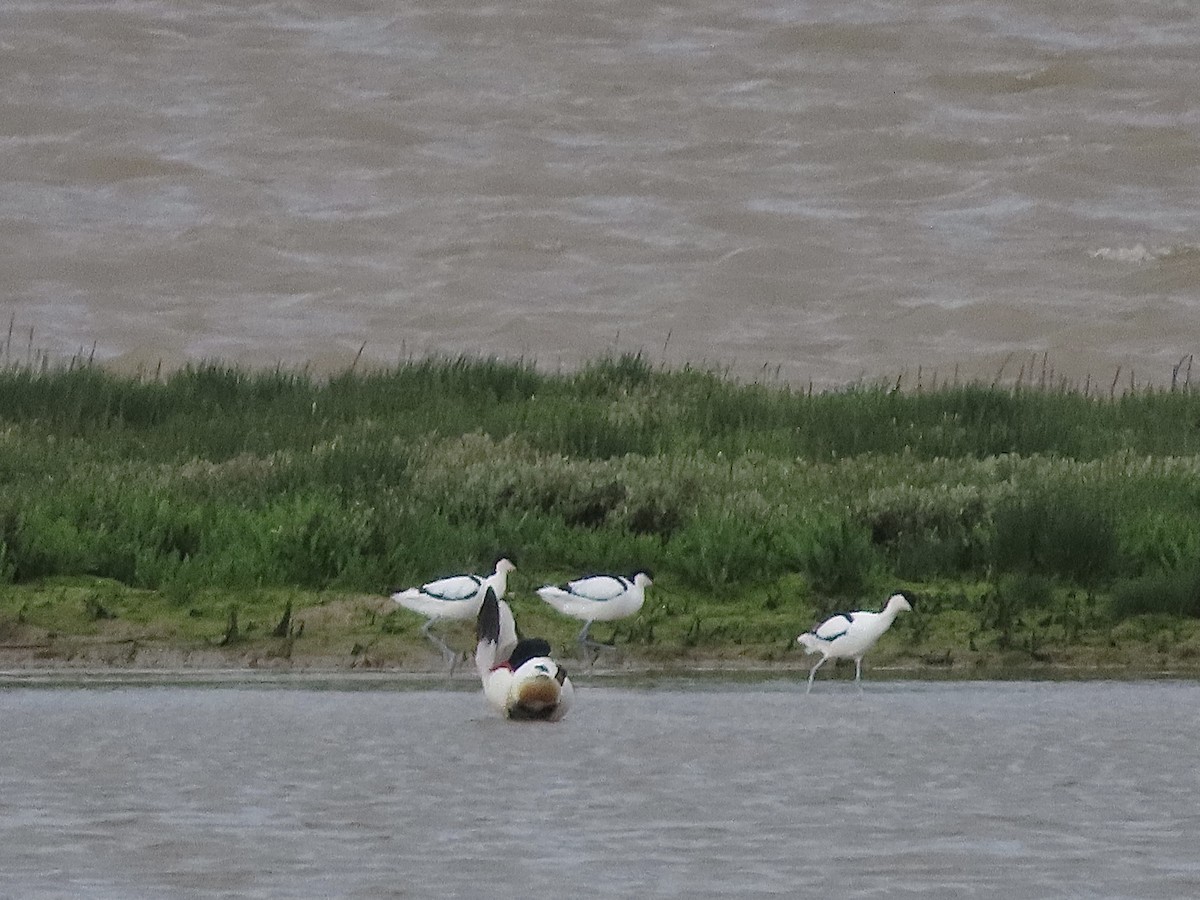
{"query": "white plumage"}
(598, 598)
(519, 678)
(456, 597)
(850, 635)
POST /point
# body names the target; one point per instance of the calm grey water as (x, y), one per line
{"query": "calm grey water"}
(825, 189)
(673, 789)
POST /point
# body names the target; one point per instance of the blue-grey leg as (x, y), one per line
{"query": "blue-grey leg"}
(582, 637)
(449, 656)
(813, 672)
(586, 644)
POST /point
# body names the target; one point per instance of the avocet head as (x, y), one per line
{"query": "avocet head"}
(504, 564)
(644, 578)
(899, 603)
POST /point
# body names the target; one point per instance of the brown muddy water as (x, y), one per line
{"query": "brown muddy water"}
(370, 788)
(819, 191)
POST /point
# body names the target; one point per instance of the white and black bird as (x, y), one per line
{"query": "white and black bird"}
(598, 598)
(850, 635)
(520, 680)
(457, 597)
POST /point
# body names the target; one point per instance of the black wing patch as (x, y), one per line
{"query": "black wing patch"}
(444, 596)
(487, 626)
(849, 617)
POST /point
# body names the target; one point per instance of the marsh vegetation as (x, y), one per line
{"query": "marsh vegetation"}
(273, 510)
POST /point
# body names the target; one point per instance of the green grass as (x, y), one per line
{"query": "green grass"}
(758, 507)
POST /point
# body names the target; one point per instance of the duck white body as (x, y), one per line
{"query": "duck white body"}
(850, 635)
(598, 598)
(457, 597)
(519, 678)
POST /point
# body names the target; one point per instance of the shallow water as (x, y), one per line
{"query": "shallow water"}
(668, 789)
(817, 190)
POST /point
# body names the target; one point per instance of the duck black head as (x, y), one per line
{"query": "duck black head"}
(527, 649)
